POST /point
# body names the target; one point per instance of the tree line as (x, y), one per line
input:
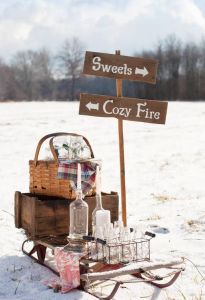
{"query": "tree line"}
(38, 75)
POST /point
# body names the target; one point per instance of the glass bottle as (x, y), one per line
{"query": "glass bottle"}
(78, 217)
(97, 207)
(78, 213)
(98, 200)
(100, 216)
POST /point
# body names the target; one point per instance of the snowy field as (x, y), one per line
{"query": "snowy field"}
(165, 180)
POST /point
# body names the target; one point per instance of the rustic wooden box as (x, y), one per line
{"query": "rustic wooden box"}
(41, 215)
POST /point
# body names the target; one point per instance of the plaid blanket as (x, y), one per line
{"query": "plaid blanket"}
(68, 170)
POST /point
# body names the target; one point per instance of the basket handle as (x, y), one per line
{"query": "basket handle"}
(71, 134)
(52, 136)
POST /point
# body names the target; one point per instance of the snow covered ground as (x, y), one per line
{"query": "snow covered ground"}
(165, 171)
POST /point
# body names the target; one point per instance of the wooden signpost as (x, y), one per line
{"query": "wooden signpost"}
(132, 109)
(121, 152)
(120, 67)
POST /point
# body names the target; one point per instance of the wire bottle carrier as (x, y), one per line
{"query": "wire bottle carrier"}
(115, 252)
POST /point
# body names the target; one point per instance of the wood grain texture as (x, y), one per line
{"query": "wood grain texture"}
(121, 152)
(120, 67)
(17, 209)
(42, 215)
(124, 108)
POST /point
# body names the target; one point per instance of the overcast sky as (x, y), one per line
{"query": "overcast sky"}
(102, 25)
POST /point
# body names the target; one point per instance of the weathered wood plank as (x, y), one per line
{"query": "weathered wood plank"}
(46, 215)
(123, 108)
(17, 209)
(120, 67)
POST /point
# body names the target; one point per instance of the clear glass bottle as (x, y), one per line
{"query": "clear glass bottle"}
(97, 207)
(78, 217)
(98, 198)
(100, 216)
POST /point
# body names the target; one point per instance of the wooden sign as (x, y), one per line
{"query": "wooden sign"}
(132, 109)
(120, 67)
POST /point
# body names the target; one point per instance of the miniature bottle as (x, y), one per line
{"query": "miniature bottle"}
(78, 213)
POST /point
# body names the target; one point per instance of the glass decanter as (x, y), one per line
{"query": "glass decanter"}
(78, 217)
(78, 213)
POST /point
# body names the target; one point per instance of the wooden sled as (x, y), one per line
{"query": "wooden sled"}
(143, 271)
(93, 274)
(38, 250)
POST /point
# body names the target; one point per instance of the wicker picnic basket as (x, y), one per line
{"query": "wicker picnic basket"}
(43, 173)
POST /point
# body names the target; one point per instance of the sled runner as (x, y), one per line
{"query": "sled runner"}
(139, 271)
(94, 274)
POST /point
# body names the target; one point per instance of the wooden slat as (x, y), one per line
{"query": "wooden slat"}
(17, 208)
(46, 215)
(120, 66)
(52, 226)
(52, 208)
(121, 152)
(123, 108)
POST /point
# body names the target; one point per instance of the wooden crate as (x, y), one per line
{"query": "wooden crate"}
(41, 215)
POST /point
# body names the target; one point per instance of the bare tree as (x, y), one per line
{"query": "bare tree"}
(22, 67)
(70, 61)
(172, 61)
(32, 71)
(160, 57)
(30, 76)
(191, 71)
(201, 71)
(42, 73)
(8, 86)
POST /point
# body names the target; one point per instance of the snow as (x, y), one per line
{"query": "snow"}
(165, 167)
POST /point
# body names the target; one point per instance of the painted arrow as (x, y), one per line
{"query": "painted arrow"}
(142, 72)
(91, 105)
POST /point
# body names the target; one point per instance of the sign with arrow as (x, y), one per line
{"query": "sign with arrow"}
(120, 67)
(92, 106)
(132, 109)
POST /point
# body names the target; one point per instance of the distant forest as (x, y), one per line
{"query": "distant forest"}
(38, 75)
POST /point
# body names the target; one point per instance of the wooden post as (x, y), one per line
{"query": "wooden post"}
(17, 209)
(121, 150)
